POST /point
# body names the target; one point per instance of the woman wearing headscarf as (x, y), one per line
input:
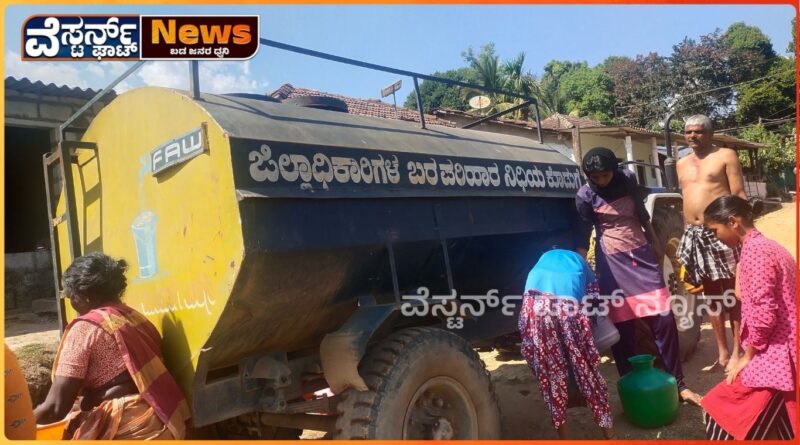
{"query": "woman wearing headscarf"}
(627, 257)
(111, 356)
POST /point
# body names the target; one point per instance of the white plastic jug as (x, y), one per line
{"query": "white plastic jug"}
(604, 332)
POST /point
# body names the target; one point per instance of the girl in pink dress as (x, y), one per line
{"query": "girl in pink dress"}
(757, 399)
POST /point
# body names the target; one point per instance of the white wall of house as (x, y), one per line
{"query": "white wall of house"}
(556, 140)
(642, 150)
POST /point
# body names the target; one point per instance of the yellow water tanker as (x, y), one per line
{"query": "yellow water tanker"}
(255, 228)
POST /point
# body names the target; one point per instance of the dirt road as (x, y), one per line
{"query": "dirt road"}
(781, 226)
(526, 417)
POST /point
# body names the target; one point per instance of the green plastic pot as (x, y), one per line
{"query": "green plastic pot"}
(649, 396)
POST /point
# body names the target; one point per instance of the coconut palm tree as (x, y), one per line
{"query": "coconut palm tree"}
(493, 73)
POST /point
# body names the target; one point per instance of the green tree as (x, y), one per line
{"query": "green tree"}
(439, 95)
(641, 88)
(779, 153)
(492, 72)
(792, 46)
(773, 97)
(760, 101)
(750, 51)
(587, 92)
(486, 65)
(548, 88)
(518, 81)
(701, 73)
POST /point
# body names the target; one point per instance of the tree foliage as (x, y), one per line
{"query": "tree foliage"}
(587, 92)
(735, 77)
(750, 52)
(640, 88)
(779, 153)
(760, 100)
(490, 71)
(701, 72)
(439, 95)
(771, 98)
(549, 90)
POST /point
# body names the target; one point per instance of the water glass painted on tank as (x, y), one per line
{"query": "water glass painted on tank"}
(144, 235)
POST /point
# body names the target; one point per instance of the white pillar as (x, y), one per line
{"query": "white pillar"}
(629, 155)
(655, 161)
(577, 154)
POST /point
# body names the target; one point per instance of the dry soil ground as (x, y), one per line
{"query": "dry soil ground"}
(524, 413)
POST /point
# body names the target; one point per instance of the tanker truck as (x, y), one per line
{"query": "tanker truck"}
(309, 268)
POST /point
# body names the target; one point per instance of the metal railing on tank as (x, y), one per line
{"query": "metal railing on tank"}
(64, 150)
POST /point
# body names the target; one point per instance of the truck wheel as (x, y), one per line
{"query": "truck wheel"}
(424, 383)
(668, 225)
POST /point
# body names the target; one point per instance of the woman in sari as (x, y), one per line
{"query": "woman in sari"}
(757, 399)
(110, 356)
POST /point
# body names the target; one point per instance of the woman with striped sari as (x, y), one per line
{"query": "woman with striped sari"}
(110, 356)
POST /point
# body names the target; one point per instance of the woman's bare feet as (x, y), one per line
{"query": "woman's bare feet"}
(608, 433)
(690, 397)
(563, 434)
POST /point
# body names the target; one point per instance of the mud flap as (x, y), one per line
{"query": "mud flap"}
(341, 351)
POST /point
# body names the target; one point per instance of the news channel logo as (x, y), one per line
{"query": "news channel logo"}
(140, 37)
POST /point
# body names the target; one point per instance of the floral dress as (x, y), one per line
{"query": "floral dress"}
(557, 343)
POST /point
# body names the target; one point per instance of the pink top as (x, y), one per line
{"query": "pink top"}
(90, 353)
(768, 284)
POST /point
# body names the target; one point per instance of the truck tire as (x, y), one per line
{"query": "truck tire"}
(668, 225)
(424, 383)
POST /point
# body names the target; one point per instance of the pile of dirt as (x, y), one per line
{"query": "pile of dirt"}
(36, 361)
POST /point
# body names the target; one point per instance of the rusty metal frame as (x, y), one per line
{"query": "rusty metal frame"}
(415, 76)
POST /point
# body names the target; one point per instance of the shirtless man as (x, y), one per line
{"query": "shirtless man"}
(706, 174)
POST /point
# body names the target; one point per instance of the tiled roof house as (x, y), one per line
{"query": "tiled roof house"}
(362, 107)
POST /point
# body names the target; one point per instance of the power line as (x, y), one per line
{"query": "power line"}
(768, 124)
(697, 68)
(790, 107)
(771, 122)
(777, 118)
(736, 84)
(747, 65)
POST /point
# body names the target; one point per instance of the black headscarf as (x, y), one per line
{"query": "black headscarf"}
(601, 159)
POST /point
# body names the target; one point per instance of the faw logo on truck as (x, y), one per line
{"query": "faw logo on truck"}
(178, 150)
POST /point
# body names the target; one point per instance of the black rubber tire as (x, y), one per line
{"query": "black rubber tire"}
(397, 368)
(668, 224)
(319, 102)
